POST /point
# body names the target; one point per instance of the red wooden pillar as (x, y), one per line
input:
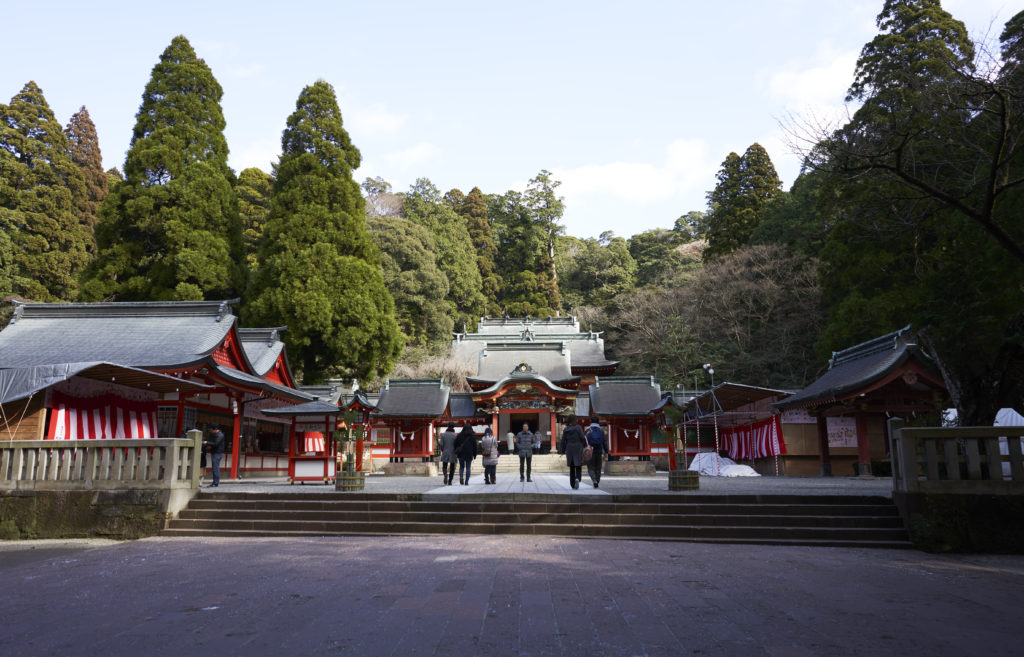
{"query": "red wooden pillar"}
(236, 432)
(494, 425)
(863, 445)
(824, 463)
(291, 450)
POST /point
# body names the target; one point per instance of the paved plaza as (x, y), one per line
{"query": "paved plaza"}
(451, 596)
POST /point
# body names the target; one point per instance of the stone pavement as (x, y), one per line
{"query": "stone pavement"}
(451, 596)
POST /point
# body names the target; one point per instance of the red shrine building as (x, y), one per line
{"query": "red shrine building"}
(145, 370)
(538, 372)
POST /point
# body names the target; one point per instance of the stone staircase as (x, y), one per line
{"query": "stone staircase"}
(832, 521)
(541, 463)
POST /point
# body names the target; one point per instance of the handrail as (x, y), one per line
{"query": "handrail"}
(981, 460)
(162, 463)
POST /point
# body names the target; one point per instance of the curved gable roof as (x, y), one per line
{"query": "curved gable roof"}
(151, 334)
(262, 347)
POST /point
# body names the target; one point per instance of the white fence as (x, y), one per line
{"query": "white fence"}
(161, 463)
(983, 460)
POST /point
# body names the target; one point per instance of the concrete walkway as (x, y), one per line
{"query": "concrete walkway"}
(495, 596)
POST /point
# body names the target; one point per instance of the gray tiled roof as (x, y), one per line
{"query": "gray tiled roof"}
(589, 353)
(856, 367)
(316, 407)
(20, 382)
(143, 334)
(549, 359)
(262, 347)
(260, 382)
(460, 405)
(492, 325)
(413, 398)
(624, 395)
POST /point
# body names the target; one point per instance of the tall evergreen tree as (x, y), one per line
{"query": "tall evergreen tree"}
(525, 263)
(319, 271)
(925, 184)
(423, 205)
(253, 191)
(85, 152)
(736, 206)
(39, 183)
(474, 210)
(171, 230)
(418, 286)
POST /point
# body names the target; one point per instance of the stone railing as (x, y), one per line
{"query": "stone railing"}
(974, 460)
(153, 463)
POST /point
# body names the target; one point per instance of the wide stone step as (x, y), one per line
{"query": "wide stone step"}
(335, 504)
(548, 529)
(584, 516)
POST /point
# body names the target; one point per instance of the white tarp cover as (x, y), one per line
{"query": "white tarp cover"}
(1007, 417)
(709, 464)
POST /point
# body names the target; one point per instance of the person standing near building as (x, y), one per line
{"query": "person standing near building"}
(465, 449)
(489, 449)
(597, 439)
(510, 440)
(448, 454)
(524, 444)
(215, 446)
(573, 442)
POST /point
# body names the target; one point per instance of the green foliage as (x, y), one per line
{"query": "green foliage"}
(473, 209)
(319, 270)
(253, 191)
(84, 147)
(659, 259)
(736, 206)
(424, 206)
(171, 230)
(526, 227)
(45, 243)
(411, 274)
(601, 270)
(795, 218)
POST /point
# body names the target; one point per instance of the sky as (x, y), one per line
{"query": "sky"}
(632, 106)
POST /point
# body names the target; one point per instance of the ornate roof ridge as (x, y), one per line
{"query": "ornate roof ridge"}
(887, 342)
(216, 309)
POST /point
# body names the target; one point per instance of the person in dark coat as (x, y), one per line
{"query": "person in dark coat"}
(448, 454)
(215, 446)
(573, 442)
(597, 439)
(524, 445)
(489, 450)
(465, 449)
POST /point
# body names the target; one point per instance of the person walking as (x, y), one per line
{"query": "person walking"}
(597, 440)
(573, 442)
(524, 444)
(215, 447)
(448, 454)
(489, 449)
(465, 449)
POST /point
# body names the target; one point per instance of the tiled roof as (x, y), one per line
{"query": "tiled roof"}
(855, 368)
(262, 347)
(315, 407)
(261, 383)
(492, 325)
(523, 377)
(142, 334)
(413, 398)
(549, 359)
(461, 405)
(624, 395)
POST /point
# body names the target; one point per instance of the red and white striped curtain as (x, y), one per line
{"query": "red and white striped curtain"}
(315, 441)
(105, 416)
(755, 441)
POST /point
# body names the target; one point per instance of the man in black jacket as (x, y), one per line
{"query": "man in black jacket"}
(215, 446)
(524, 444)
